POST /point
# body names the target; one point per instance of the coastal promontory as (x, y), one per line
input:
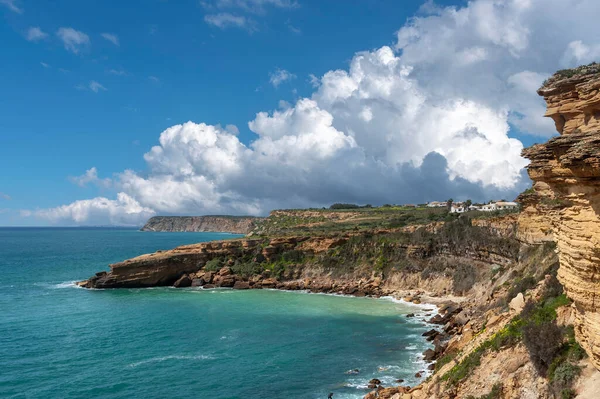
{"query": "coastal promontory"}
(220, 224)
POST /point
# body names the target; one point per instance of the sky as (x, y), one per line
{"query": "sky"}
(112, 112)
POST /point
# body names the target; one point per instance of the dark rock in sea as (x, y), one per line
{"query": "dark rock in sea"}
(375, 381)
(430, 333)
(410, 315)
(429, 355)
(207, 286)
(354, 371)
(400, 381)
(431, 366)
(419, 374)
(198, 282)
(183, 281)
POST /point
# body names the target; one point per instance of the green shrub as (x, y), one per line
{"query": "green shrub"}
(247, 269)
(543, 341)
(495, 393)
(344, 206)
(444, 360)
(213, 265)
(565, 374)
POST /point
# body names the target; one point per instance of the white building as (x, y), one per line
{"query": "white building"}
(436, 204)
(458, 208)
(499, 206)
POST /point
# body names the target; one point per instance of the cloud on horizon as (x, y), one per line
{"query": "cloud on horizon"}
(425, 119)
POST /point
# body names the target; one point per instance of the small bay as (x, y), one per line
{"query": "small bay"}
(59, 341)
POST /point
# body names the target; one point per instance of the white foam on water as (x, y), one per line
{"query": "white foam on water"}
(171, 357)
(54, 286)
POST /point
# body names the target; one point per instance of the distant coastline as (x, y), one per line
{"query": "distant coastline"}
(213, 224)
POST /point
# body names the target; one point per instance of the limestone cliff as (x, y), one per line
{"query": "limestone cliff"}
(221, 224)
(566, 170)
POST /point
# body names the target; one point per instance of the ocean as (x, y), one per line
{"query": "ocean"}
(61, 341)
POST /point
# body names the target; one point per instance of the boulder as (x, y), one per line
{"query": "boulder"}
(208, 277)
(198, 282)
(269, 283)
(429, 355)
(241, 285)
(224, 281)
(183, 281)
(208, 286)
(225, 271)
(517, 303)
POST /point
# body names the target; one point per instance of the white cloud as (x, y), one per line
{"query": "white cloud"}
(426, 120)
(35, 34)
(252, 6)
(154, 79)
(279, 76)
(96, 87)
(5, 196)
(293, 28)
(44, 65)
(314, 81)
(73, 40)
(90, 176)
(226, 20)
(111, 37)
(118, 72)
(11, 5)
(124, 211)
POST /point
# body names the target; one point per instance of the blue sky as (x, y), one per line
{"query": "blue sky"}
(142, 66)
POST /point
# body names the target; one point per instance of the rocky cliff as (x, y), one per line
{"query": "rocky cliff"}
(566, 171)
(221, 224)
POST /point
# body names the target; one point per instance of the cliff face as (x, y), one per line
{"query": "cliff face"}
(221, 224)
(566, 170)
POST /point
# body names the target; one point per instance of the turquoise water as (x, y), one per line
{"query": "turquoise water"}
(59, 341)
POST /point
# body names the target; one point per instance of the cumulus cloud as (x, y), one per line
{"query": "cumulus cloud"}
(111, 37)
(90, 176)
(73, 40)
(11, 5)
(35, 34)
(124, 211)
(430, 118)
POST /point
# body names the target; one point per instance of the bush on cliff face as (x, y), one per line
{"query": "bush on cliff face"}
(213, 265)
(543, 341)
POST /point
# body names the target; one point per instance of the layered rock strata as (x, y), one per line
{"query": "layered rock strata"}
(566, 170)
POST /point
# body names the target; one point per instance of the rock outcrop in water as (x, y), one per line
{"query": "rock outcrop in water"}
(566, 170)
(218, 224)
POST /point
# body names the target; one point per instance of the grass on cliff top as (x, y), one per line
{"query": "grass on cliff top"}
(582, 70)
(313, 222)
